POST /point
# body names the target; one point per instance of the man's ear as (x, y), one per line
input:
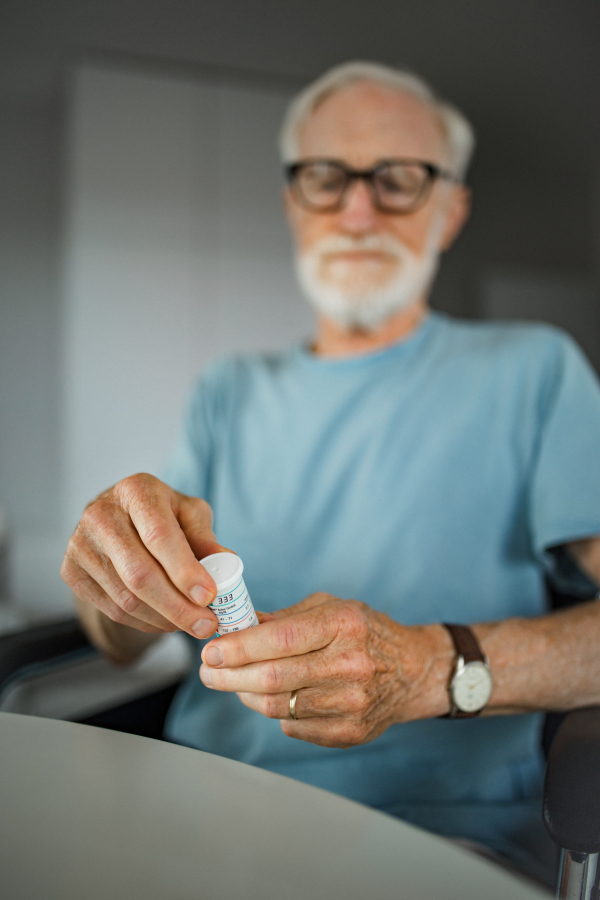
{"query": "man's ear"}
(457, 213)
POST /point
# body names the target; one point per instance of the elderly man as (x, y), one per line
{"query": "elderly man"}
(403, 471)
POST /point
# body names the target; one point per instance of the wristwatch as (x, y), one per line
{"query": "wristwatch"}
(471, 683)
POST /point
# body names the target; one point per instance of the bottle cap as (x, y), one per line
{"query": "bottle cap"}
(226, 570)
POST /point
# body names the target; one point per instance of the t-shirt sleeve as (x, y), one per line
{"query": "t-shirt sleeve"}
(565, 485)
(188, 468)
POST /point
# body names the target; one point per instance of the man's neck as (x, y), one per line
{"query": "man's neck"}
(334, 340)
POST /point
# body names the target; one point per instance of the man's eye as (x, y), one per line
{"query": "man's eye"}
(390, 186)
(325, 183)
(400, 181)
(330, 184)
(394, 185)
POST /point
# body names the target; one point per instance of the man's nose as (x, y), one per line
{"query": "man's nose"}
(358, 213)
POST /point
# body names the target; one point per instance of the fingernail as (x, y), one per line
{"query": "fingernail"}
(205, 676)
(200, 595)
(204, 628)
(212, 656)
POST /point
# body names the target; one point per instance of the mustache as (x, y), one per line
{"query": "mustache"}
(340, 243)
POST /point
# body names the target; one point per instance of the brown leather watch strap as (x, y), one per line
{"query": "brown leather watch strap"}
(467, 646)
(465, 642)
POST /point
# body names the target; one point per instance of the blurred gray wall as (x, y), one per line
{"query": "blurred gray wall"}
(176, 252)
(527, 72)
(30, 396)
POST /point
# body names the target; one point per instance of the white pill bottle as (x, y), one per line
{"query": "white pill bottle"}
(232, 605)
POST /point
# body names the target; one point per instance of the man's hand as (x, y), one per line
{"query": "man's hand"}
(356, 670)
(134, 557)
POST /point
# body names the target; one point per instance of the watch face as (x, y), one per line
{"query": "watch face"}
(472, 687)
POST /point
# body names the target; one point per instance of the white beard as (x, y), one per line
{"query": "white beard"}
(350, 297)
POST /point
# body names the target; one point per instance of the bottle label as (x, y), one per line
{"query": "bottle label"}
(234, 610)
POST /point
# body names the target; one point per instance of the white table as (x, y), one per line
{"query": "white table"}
(89, 814)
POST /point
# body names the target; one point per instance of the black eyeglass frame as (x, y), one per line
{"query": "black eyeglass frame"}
(368, 175)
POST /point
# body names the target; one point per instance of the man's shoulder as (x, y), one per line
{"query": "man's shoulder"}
(530, 342)
(503, 331)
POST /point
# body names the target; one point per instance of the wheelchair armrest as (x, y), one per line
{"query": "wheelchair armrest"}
(572, 786)
(41, 648)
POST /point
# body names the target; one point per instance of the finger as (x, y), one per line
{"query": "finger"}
(309, 704)
(148, 582)
(152, 507)
(264, 617)
(326, 732)
(195, 518)
(88, 590)
(109, 532)
(288, 674)
(308, 603)
(276, 639)
(100, 571)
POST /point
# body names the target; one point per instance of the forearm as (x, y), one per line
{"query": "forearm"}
(547, 663)
(120, 643)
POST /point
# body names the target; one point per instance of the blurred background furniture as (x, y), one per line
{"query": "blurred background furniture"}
(572, 803)
(52, 670)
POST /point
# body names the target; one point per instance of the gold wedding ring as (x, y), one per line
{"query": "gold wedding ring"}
(293, 705)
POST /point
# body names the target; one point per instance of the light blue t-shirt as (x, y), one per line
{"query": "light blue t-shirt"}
(426, 480)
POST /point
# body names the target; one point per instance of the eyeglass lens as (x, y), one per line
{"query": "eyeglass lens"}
(397, 187)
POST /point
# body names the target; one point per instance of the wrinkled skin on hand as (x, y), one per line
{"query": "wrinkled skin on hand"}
(356, 670)
(134, 556)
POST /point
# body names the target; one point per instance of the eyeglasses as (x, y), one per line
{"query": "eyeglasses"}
(397, 185)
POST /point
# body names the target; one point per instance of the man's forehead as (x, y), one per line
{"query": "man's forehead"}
(367, 121)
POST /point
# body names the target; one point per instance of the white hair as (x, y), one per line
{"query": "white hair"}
(459, 135)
